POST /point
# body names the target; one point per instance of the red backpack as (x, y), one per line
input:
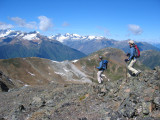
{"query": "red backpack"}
(137, 55)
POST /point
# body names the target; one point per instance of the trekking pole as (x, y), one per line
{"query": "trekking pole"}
(126, 70)
(93, 72)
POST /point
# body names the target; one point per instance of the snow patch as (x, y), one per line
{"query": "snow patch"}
(20, 81)
(6, 33)
(74, 61)
(30, 36)
(31, 74)
(26, 85)
(72, 37)
(65, 70)
(91, 37)
(76, 35)
(62, 38)
(60, 73)
(55, 61)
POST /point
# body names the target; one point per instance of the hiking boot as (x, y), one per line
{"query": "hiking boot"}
(137, 73)
(101, 82)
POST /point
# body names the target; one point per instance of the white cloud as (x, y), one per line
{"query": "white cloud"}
(135, 29)
(65, 24)
(45, 23)
(22, 23)
(5, 26)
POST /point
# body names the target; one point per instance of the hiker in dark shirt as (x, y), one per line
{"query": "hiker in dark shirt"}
(101, 68)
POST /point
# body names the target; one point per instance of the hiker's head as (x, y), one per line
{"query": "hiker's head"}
(131, 42)
(100, 57)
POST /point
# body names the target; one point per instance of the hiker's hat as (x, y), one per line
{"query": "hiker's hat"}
(100, 57)
(131, 42)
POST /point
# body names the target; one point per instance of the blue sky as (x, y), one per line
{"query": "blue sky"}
(116, 19)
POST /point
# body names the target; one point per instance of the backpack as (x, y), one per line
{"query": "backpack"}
(137, 54)
(104, 64)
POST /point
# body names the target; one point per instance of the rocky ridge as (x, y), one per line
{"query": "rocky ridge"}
(137, 98)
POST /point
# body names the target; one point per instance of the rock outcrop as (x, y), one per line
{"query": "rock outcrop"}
(5, 83)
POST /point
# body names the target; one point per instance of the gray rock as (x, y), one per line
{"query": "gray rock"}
(37, 102)
(146, 106)
(50, 103)
(157, 101)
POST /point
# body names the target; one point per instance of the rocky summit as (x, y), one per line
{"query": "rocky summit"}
(135, 98)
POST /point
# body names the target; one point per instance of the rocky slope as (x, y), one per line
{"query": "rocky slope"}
(38, 71)
(137, 98)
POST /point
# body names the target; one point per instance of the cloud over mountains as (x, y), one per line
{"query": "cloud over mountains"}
(22, 23)
(5, 26)
(135, 29)
(44, 24)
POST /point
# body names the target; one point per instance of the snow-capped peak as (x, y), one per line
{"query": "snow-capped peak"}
(31, 36)
(4, 33)
(67, 34)
(76, 35)
(91, 37)
(73, 37)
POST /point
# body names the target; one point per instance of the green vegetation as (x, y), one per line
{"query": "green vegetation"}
(114, 67)
(14, 62)
(82, 97)
(91, 62)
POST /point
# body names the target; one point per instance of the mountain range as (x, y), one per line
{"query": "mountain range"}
(58, 47)
(156, 45)
(90, 44)
(20, 44)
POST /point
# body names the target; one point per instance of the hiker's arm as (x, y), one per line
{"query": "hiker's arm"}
(100, 65)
